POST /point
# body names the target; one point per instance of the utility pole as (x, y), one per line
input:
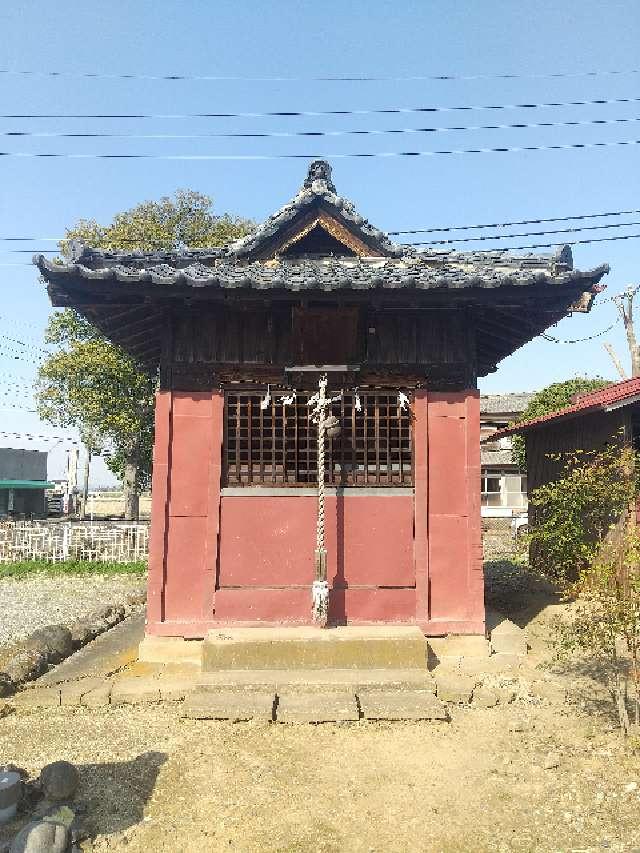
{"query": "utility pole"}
(624, 304)
(85, 484)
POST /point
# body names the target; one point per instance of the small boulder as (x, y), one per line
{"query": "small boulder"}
(82, 632)
(25, 666)
(42, 836)
(59, 781)
(7, 687)
(53, 640)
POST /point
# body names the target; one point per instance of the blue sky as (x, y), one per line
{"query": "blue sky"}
(305, 40)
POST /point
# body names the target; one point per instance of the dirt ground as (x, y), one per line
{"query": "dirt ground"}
(531, 776)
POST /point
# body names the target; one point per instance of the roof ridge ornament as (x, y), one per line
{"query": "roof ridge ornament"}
(319, 171)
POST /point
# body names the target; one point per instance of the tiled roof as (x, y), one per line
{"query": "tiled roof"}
(496, 457)
(622, 393)
(495, 404)
(424, 271)
(388, 266)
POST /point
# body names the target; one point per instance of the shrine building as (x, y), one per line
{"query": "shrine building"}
(240, 336)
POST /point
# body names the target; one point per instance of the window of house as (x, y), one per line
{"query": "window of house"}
(491, 490)
(277, 446)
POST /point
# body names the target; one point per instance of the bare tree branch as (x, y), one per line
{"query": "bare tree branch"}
(616, 361)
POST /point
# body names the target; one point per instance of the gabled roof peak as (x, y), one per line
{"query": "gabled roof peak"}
(318, 195)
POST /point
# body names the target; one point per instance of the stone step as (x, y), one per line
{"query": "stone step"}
(230, 705)
(316, 680)
(348, 647)
(401, 705)
(315, 707)
(339, 707)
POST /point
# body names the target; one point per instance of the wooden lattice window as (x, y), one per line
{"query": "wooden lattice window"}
(277, 446)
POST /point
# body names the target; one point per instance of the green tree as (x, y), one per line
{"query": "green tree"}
(550, 399)
(92, 384)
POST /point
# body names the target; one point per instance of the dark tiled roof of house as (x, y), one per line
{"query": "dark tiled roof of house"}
(622, 394)
(497, 404)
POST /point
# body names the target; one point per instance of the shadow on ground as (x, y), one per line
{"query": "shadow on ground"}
(116, 793)
(512, 591)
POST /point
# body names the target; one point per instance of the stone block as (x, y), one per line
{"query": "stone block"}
(508, 638)
(347, 647)
(135, 691)
(98, 697)
(73, 692)
(174, 689)
(504, 662)
(38, 697)
(230, 705)
(170, 650)
(401, 705)
(458, 646)
(455, 689)
(485, 697)
(317, 708)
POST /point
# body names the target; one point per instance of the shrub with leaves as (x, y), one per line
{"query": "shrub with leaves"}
(574, 513)
(606, 620)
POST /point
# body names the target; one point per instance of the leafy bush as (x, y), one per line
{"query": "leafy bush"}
(572, 515)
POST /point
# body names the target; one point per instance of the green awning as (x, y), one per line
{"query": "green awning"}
(26, 484)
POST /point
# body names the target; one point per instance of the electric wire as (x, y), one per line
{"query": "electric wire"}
(577, 230)
(347, 78)
(555, 340)
(444, 228)
(574, 146)
(333, 112)
(312, 133)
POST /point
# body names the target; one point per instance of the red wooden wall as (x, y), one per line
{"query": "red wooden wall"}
(242, 557)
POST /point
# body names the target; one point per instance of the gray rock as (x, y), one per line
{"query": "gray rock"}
(7, 687)
(42, 837)
(25, 665)
(82, 632)
(54, 640)
(59, 781)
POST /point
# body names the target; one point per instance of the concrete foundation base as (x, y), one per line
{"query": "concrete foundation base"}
(349, 647)
(170, 650)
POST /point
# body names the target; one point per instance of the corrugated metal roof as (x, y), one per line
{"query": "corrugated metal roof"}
(25, 484)
(622, 393)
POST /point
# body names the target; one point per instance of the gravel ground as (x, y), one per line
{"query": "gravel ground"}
(31, 603)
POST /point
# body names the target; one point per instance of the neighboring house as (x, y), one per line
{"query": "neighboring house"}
(23, 480)
(598, 418)
(503, 485)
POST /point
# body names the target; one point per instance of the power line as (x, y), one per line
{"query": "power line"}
(456, 240)
(579, 216)
(335, 112)
(341, 156)
(524, 234)
(348, 78)
(555, 340)
(311, 133)
(460, 227)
